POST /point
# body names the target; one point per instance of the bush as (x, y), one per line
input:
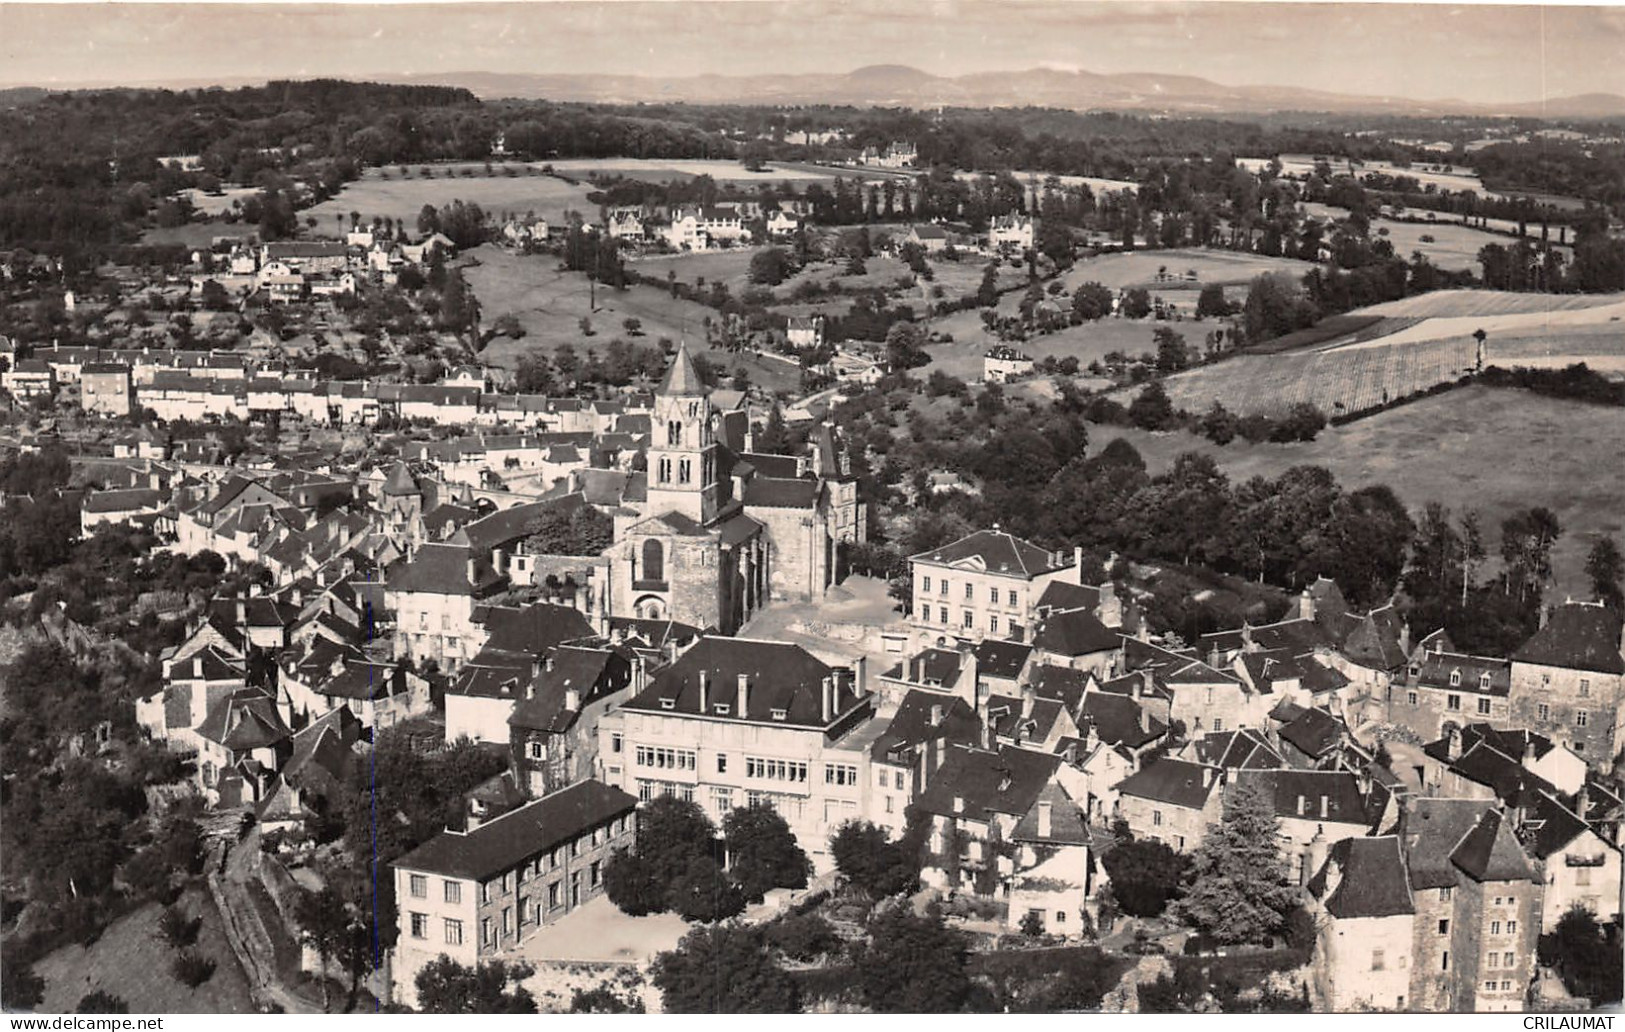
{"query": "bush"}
(102, 1002)
(192, 970)
(804, 937)
(177, 929)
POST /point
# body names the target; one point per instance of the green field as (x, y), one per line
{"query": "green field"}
(1140, 269)
(1494, 450)
(1088, 342)
(1444, 303)
(402, 198)
(733, 173)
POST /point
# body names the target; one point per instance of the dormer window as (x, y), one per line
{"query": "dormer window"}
(721, 709)
(668, 703)
(1455, 678)
(779, 714)
(1484, 681)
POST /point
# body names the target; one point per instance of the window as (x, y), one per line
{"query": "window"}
(888, 804)
(538, 750)
(454, 892)
(1444, 926)
(1484, 682)
(616, 742)
(970, 592)
(674, 432)
(721, 709)
(925, 586)
(970, 619)
(1483, 707)
(1410, 697)
(1543, 711)
(507, 920)
(942, 614)
(1512, 927)
(1218, 724)
(1379, 960)
(993, 595)
(775, 770)
(943, 586)
(654, 560)
(1507, 959)
(1060, 917)
(1585, 688)
(898, 781)
(664, 757)
(1452, 702)
(1455, 678)
(485, 892)
(722, 763)
(1156, 818)
(685, 471)
(1012, 598)
(1582, 876)
(594, 874)
(454, 932)
(1495, 960)
(1444, 961)
(553, 896)
(881, 779)
(420, 925)
(722, 800)
(993, 624)
(1444, 893)
(1495, 928)
(420, 886)
(840, 774)
(1490, 985)
(1505, 985)
(1580, 718)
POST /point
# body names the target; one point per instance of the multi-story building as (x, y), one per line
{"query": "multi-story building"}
(433, 596)
(1014, 232)
(986, 584)
(1568, 680)
(1450, 687)
(471, 894)
(736, 722)
(104, 389)
(1366, 925)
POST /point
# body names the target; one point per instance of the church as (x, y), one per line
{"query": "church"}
(720, 531)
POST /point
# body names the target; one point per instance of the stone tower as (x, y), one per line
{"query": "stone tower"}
(683, 446)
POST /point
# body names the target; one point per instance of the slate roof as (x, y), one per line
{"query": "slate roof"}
(782, 677)
(911, 725)
(532, 629)
(1436, 832)
(507, 841)
(1066, 824)
(1005, 714)
(127, 500)
(1373, 882)
(929, 666)
(581, 669)
(772, 493)
(682, 378)
(1490, 852)
(399, 482)
(1119, 720)
(1435, 669)
(1074, 632)
(1579, 636)
(1493, 758)
(1065, 595)
(1313, 732)
(1058, 682)
(1340, 790)
(245, 719)
(442, 569)
(1175, 782)
(1003, 659)
(778, 467)
(1550, 826)
(999, 552)
(1236, 749)
(1005, 782)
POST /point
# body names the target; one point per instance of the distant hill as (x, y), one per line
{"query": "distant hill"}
(902, 86)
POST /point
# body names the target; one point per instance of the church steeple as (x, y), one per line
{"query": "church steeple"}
(683, 447)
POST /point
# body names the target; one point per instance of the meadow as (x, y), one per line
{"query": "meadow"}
(733, 173)
(1139, 269)
(385, 193)
(1493, 450)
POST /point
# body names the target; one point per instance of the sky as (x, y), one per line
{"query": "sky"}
(1476, 53)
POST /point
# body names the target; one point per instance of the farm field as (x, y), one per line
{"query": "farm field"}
(1096, 185)
(1508, 323)
(197, 234)
(1494, 450)
(1489, 302)
(1601, 348)
(1454, 246)
(1338, 381)
(401, 199)
(131, 961)
(220, 203)
(661, 170)
(1139, 268)
(1088, 342)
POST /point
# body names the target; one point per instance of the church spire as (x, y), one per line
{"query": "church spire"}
(682, 379)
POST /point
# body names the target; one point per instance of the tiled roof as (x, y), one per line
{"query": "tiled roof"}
(1371, 879)
(443, 569)
(507, 841)
(1490, 852)
(533, 629)
(1578, 636)
(1074, 632)
(1334, 792)
(1066, 824)
(998, 552)
(1313, 732)
(1176, 782)
(682, 379)
(586, 671)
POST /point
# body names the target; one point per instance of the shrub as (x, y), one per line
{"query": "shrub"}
(804, 937)
(192, 970)
(100, 1001)
(177, 929)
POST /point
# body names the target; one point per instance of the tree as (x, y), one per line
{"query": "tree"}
(703, 892)
(672, 835)
(177, 929)
(723, 969)
(1145, 876)
(1239, 890)
(912, 965)
(1218, 425)
(905, 347)
(987, 293)
(1605, 567)
(1136, 303)
(1581, 953)
(755, 155)
(1526, 546)
(100, 1001)
(1275, 306)
(579, 531)
(770, 266)
(1211, 302)
(323, 924)
(762, 852)
(1091, 301)
(1152, 409)
(190, 969)
(20, 987)
(868, 859)
(1171, 353)
(447, 987)
(214, 296)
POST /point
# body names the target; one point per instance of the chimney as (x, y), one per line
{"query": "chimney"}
(1247, 637)
(987, 731)
(705, 691)
(1303, 805)
(936, 714)
(471, 573)
(242, 613)
(1077, 563)
(1028, 697)
(828, 699)
(1452, 742)
(1215, 657)
(548, 663)
(1545, 615)
(1004, 780)
(1091, 737)
(499, 560)
(1405, 638)
(197, 666)
(572, 700)
(860, 677)
(1109, 610)
(1325, 811)
(1207, 777)
(959, 804)
(744, 695)
(1044, 819)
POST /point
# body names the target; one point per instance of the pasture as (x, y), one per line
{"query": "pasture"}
(732, 173)
(1096, 185)
(1489, 302)
(1140, 269)
(1493, 450)
(385, 193)
(1452, 245)
(1088, 342)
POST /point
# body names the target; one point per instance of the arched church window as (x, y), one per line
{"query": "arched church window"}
(665, 471)
(674, 432)
(685, 471)
(654, 560)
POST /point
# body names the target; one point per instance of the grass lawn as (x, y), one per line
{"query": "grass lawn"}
(132, 961)
(1139, 269)
(402, 198)
(1494, 450)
